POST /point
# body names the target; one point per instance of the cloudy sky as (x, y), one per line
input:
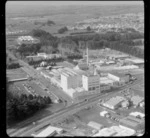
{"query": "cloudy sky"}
(60, 3)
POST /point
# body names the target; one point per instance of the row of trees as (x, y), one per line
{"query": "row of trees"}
(49, 23)
(51, 62)
(13, 65)
(19, 107)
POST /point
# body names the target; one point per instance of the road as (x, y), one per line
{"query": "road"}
(28, 129)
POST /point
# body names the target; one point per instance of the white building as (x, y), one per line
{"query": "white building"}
(137, 114)
(49, 131)
(69, 80)
(91, 83)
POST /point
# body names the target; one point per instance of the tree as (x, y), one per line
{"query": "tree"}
(62, 30)
(88, 28)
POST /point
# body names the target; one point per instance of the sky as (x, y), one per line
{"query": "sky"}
(66, 3)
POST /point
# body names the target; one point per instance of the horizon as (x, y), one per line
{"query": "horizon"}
(72, 3)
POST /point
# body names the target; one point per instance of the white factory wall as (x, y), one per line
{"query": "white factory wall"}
(113, 77)
(91, 83)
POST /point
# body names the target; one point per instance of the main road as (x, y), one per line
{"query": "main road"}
(28, 128)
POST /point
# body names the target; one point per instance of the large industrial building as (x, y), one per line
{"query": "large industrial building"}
(70, 79)
(114, 102)
(136, 100)
(91, 83)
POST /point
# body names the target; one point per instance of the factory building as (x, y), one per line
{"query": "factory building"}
(121, 78)
(136, 100)
(91, 83)
(82, 66)
(49, 131)
(69, 80)
(114, 102)
(136, 114)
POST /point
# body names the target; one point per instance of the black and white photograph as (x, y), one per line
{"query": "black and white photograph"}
(75, 68)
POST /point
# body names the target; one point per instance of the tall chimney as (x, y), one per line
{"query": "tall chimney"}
(87, 53)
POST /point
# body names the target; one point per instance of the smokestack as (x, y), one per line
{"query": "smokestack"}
(87, 53)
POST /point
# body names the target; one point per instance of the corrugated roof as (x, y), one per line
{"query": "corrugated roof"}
(114, 101)
(49, 130)
(137, 99)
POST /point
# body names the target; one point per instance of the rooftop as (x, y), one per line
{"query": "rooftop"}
(117, 74)
(115, 100)
(137, 99)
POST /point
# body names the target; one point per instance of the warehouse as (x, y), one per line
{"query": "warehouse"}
(114, 102)
(136, 100)
(119, 77)
(106, 81)
(49, 131)
(95, 125)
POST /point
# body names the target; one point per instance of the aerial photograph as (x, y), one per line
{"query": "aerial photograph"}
(75, 68)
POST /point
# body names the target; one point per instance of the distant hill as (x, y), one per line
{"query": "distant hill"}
(44, 10)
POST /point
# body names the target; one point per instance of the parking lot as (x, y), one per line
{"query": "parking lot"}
(30, 87)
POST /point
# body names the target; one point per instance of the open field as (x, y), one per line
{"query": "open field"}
(23, 17)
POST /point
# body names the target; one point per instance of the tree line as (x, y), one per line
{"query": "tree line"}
(72, 44)
(19, 107)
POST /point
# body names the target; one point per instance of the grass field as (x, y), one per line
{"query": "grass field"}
(62, 16)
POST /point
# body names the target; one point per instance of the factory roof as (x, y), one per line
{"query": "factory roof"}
(82, 66)
(115, 100)
(49, 130)
(137, 113)
(136, 99)
(105, 80)
(119, 56)
(117, 74)
(68, 72)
